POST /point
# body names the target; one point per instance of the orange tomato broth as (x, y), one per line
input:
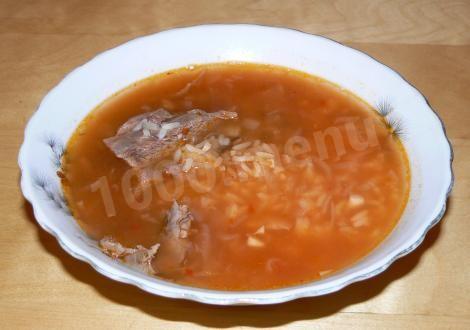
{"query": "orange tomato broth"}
(295, 226)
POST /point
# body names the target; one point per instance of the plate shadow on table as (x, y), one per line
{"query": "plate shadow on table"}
(222, 317)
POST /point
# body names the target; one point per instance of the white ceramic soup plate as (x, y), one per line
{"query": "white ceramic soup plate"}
(64, 107)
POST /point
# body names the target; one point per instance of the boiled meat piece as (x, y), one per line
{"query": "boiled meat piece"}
(148, 138)
(179, 221)
(139, 257)
(174, 240)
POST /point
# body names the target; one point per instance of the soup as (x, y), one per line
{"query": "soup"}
(236, 177)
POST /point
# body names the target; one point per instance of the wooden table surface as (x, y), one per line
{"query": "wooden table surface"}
(43, 287)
